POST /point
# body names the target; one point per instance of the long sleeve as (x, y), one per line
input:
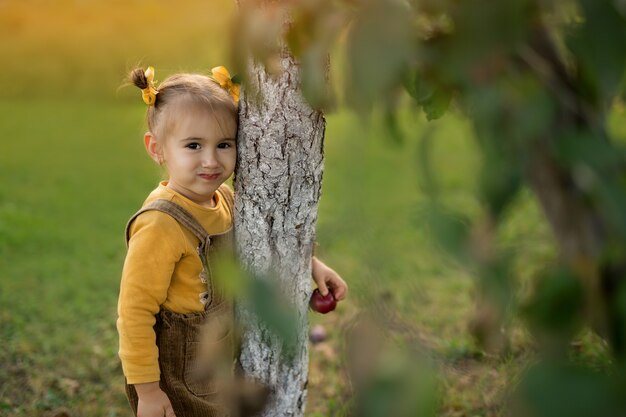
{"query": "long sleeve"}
(156, 245)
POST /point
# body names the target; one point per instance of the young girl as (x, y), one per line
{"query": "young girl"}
(174, 321)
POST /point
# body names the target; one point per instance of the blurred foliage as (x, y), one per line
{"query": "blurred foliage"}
(555, 389)
(538, 79)
(263, 301)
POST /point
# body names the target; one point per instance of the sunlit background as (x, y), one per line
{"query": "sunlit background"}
(73, 170)
(84, 48)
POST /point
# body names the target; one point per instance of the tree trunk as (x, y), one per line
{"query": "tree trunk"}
(278, 184)
(581, 226)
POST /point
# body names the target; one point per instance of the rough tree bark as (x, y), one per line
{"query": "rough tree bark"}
(278, 184)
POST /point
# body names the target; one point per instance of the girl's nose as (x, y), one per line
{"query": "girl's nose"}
(209, 160)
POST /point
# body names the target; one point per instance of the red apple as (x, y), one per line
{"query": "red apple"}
(322, 304)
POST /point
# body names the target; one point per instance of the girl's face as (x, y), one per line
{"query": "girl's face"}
(199, 152)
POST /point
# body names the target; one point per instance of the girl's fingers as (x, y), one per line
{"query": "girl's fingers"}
(322, 287)
(339, 293)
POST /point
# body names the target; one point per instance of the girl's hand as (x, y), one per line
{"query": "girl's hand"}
(153, 402)
(327, 279)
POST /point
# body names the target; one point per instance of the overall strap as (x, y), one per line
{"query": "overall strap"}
(211, 297)
(179, 214)
(229, 198)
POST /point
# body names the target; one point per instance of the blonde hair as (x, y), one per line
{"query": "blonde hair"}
(195, 88)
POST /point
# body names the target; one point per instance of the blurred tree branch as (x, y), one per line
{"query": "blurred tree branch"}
(539, 109)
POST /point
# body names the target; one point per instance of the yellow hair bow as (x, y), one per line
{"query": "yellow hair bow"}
(149, 93)
(231, 84)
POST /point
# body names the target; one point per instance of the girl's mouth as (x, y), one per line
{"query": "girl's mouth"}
(209, 176)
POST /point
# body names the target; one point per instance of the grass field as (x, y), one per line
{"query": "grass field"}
(73, 173)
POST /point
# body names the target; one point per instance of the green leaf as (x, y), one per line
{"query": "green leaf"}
(437, 104)
(313, 82)
(433, 100)
(417, 87)
(582, 147)
(484, 34)
(400, 386)
(597, 167)
(556, 309)
(600, 45)
(499, 182)
(274, 311)
(379, 48)
(551, 389)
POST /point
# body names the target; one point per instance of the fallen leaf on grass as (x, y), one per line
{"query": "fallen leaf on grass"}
(59, 413)
(69, 386)
(326, 350)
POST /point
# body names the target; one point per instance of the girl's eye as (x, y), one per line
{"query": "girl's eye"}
(224, 145)
(193, 145)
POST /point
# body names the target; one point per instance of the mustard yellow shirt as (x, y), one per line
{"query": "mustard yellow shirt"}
(161, 270)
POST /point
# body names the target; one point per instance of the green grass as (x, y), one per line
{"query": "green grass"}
(76, 171)
(72, 175)
(73, 172)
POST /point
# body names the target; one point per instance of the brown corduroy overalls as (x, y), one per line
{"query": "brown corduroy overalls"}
(196, 350)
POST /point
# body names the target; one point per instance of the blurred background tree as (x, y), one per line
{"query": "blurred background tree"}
(538, 79)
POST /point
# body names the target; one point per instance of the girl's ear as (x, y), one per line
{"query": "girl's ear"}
(153, 148)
